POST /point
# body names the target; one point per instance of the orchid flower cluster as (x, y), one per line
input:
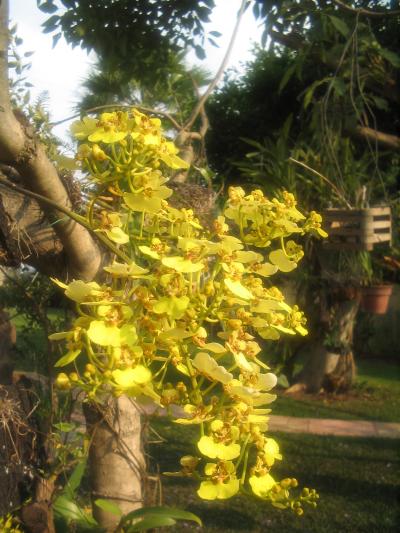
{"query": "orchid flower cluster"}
(175, 319)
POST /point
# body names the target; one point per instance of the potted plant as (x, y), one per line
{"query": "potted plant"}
(375, 293)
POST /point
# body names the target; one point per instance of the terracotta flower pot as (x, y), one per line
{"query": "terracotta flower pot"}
(375, 299)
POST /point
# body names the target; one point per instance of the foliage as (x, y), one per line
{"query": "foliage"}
(181, 303)
(174, 89)
(29, 296)
(9, 524)
(19, 65)
(135, 34)
(332, 75)
(147, 517)
(326, 75)
(249, 105)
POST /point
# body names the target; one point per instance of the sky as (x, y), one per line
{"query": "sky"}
(61, 70)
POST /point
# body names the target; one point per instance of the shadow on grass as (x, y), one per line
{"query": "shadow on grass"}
(357, 479)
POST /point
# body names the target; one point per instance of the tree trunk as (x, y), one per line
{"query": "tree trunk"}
(330, 369)
(116, 459)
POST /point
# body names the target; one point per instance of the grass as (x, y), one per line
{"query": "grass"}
(357, 480)
(375, 396)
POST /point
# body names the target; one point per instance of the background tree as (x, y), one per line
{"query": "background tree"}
(323, 96)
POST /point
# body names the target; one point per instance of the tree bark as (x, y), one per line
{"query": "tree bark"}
(20, 149)
(27, 237)
(374, 136)
(116, 459)
(330, 369)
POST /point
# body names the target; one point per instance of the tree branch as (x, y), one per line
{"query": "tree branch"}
(27, 237)
(70, 214)
(293, 40)
(366, 12)
(220, 71)
(20, 148)
(385, 139)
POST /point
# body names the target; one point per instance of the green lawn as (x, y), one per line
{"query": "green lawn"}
(375, 396)
(357, 479)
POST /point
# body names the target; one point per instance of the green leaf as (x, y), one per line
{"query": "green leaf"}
(286, 77)
(339, 86)
(50, 24)
(390, 56)
(56, 38)
(340, 25)
(48, 7)
(65, 507)
(166, 512)
(68, 358)
(199, 51)
(108, 506)
(380, 103)
(252, 142)
(75, 479)
(151, 522)
(283, 381)
(309, 93)
(65, 427)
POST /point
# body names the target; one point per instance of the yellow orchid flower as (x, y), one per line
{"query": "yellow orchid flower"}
(257, 380)
(180, 264)
(196, 414)
(111, 128)
(221, 444)
(111, 225)
(271, 452)
(314, 223)
(173, 306)
(126, 270)
(249, 394)
(262, 485)
(131, 377)
(167, 153)
(78, 290)
(146, 319)
(209, 367)
(149, 202)
(103, 335)
(135, 382)
(81, 129)
(222, 484)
